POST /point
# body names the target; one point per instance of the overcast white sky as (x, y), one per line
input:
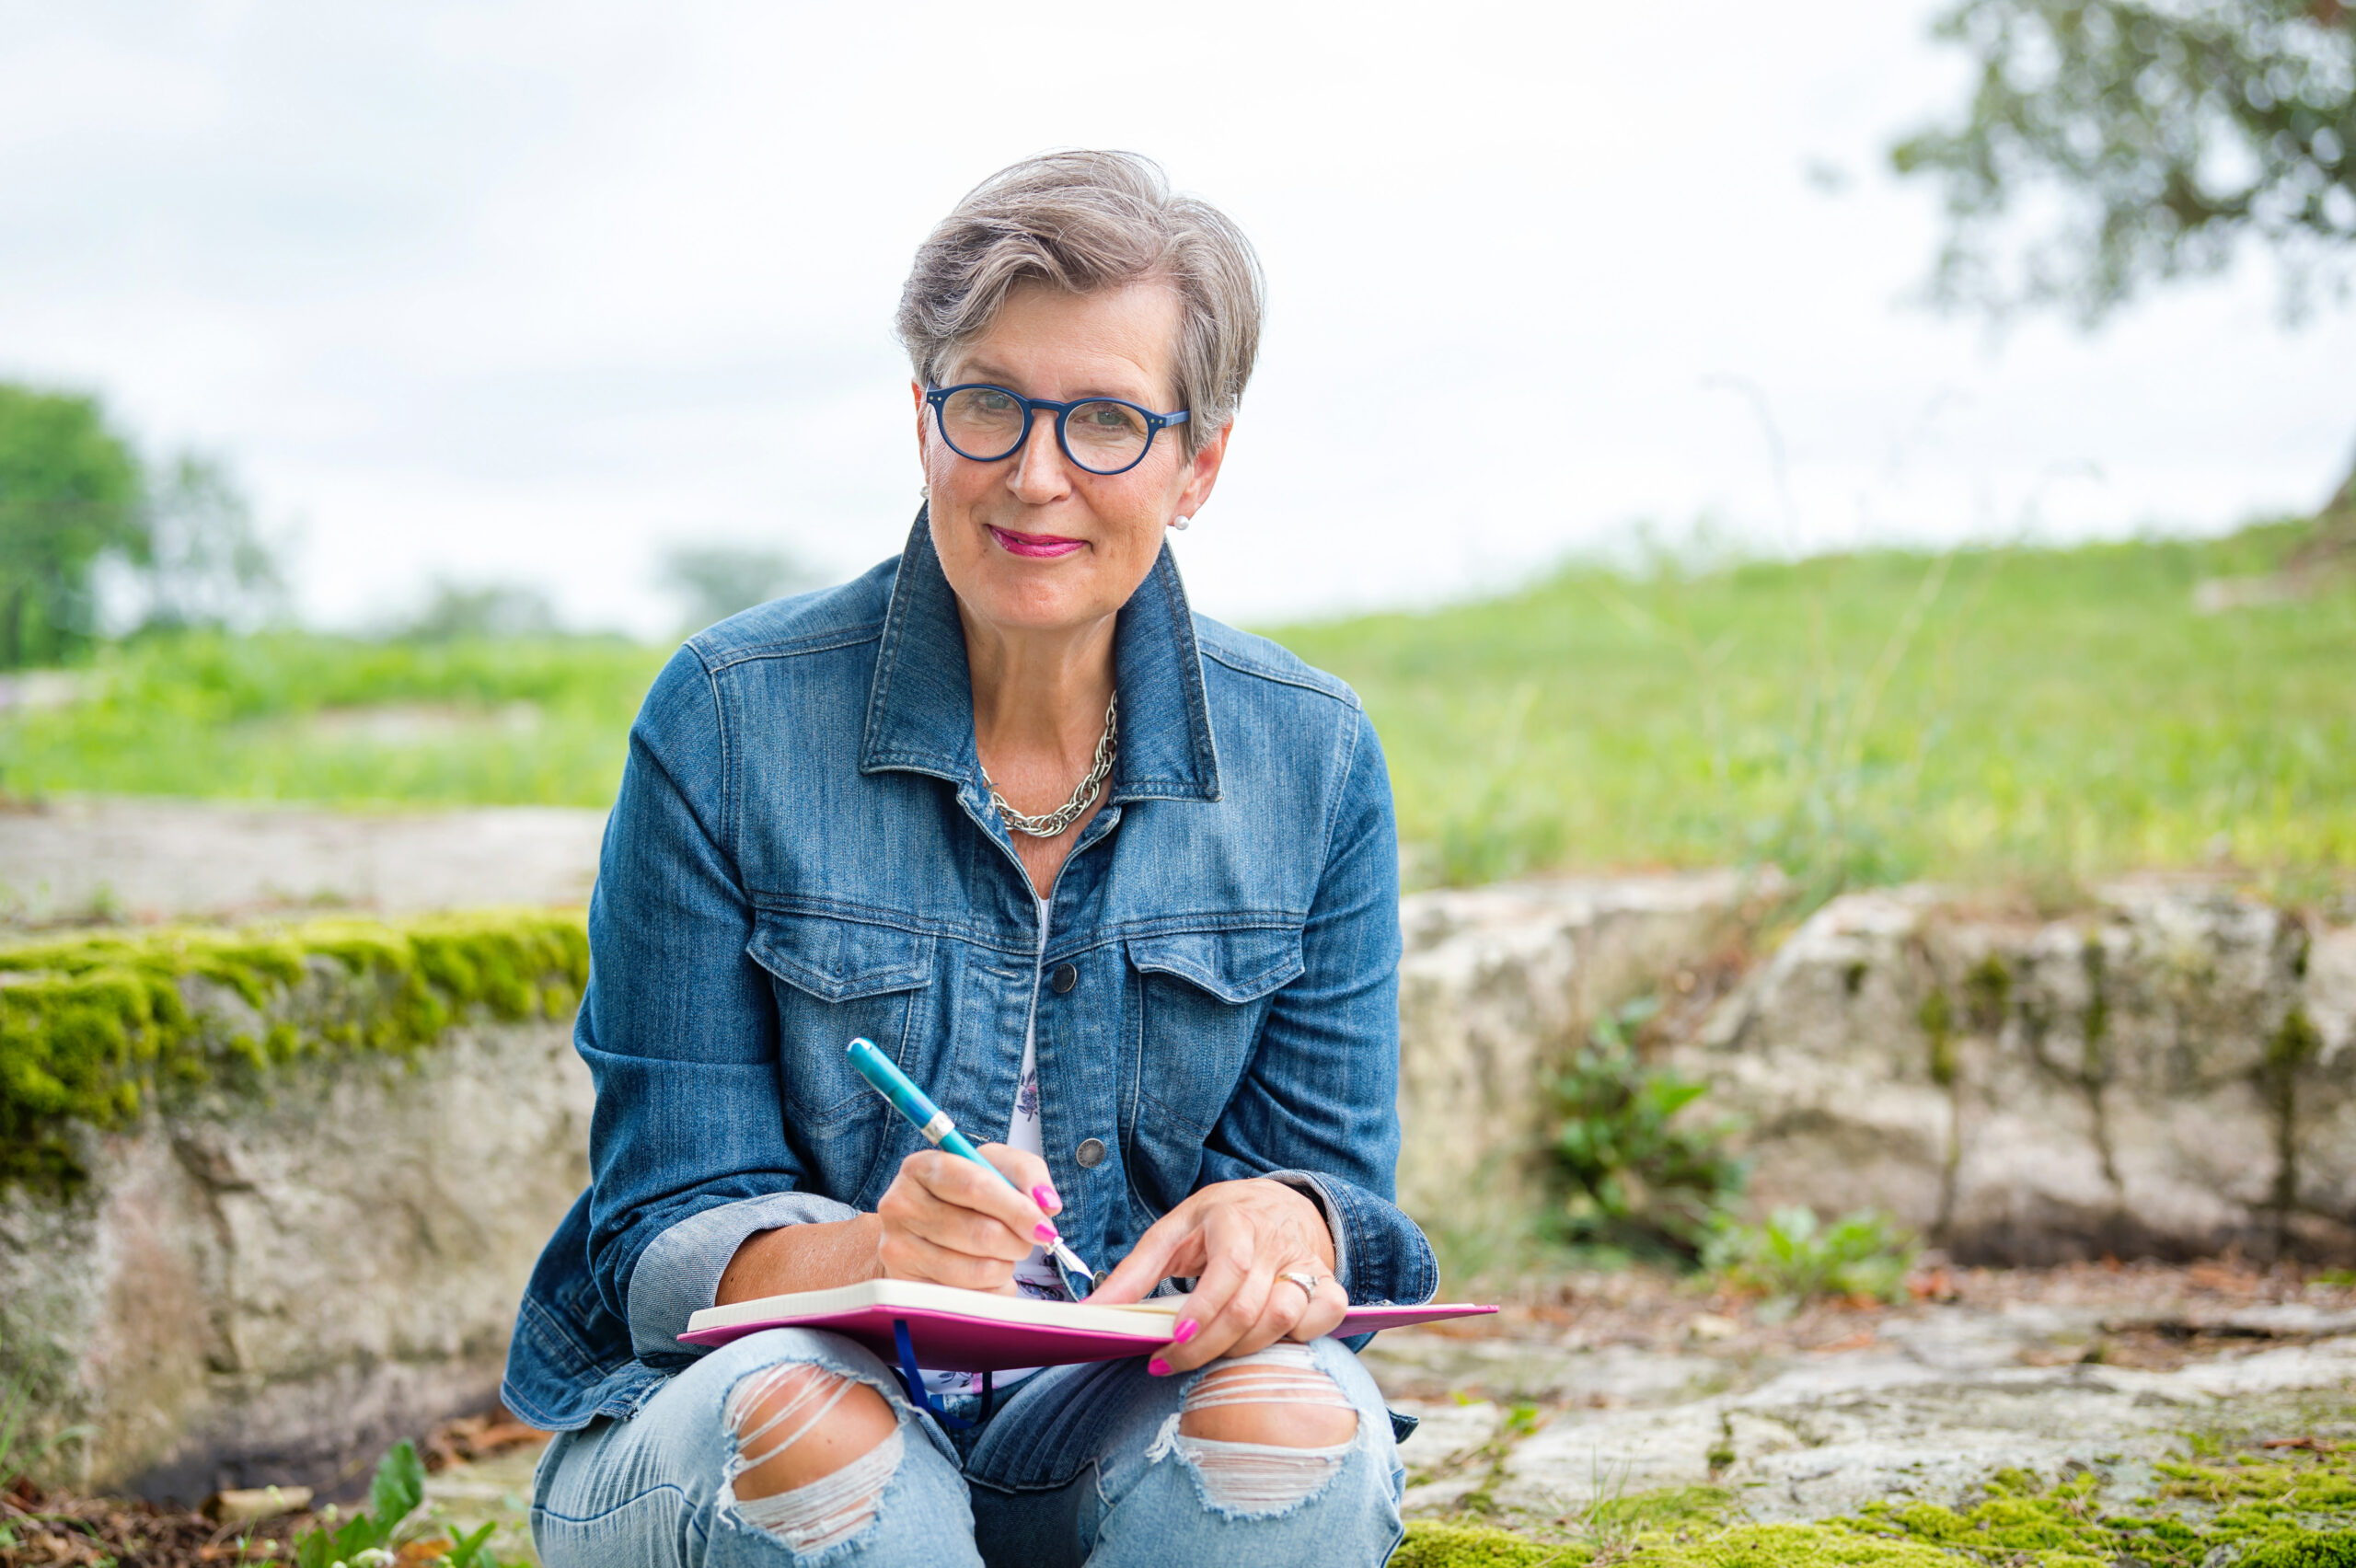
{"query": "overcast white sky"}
(516, 289)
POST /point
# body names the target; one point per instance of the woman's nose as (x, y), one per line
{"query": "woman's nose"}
(1039, 475)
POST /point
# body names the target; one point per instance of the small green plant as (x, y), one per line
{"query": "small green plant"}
(399, 1487)
(1639, 1176)
(18, 1457)
(1795, 1257)
(1494, 1455)
(365, 1539)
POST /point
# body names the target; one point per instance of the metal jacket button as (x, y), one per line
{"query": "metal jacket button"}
(1091, 1154)
(1064, 978)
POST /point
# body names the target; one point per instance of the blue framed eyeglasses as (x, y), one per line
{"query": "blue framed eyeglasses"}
(989, 424)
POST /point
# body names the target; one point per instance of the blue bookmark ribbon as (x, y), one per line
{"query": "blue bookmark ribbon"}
(912, 1378)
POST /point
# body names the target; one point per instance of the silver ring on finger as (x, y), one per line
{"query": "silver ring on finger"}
(1306, 1281)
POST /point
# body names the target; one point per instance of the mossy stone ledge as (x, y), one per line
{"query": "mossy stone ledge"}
(268, 1194)
(97, 1025)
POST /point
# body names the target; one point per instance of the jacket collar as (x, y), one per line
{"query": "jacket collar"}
(921, 705)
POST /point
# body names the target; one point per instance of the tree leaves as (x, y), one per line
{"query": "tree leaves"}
(71, 490)
(2142, 139)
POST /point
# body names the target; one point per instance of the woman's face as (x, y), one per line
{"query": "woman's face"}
(1036, 543)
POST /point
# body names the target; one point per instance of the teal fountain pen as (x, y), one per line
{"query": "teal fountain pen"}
(888, 1080)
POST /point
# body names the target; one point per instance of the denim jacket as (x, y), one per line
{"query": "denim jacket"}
(802, 851)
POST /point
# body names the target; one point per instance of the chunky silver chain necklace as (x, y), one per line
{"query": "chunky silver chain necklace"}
(1063, 816)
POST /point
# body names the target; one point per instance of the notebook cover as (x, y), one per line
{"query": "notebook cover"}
(947, 1342)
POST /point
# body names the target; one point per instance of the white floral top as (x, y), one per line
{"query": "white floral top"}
(1035, 1275)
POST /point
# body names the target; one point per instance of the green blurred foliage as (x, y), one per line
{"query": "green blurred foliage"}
(75, 498)
(478, 612)
(2151, 137)
(71, 490)
(203, 562)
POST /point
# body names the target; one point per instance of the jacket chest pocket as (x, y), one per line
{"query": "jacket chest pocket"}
(836, 980)
(1201, 998)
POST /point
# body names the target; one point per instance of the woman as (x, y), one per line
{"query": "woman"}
(1117, 880)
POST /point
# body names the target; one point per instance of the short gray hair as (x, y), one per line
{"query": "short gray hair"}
(1085, 221)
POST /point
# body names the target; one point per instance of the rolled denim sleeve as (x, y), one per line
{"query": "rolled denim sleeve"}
(679, 1274)
(1319, 1108)
(688, 1147)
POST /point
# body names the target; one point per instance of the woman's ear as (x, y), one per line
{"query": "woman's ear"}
(1202, 473)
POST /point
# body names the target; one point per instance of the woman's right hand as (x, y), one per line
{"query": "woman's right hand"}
(947, 1220)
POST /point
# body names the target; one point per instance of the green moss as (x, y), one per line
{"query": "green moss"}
(1987, 990)
(1431, 1544)
(1938, 1018)
(2096, 1070)
(2296, 1043)
(1435, 1545)
(1721, 1457)
(1790, 1546)
(2256, 1511)
(96, 1026)
(1666, 1508)
(2306, 1549)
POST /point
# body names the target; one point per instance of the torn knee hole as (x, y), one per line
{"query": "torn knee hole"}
(1276, 1396)
(1262, 1433)
(814, 1452)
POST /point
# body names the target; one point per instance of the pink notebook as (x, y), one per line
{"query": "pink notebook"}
(972, 1331)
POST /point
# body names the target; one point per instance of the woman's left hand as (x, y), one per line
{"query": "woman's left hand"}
(1235, 1239)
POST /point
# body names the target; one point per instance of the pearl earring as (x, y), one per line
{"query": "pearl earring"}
(1179, 522)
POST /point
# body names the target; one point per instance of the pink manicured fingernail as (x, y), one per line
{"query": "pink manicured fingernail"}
(1158, 1367)
(1185, 1331)
(1045, 1196)
(1046, 1232)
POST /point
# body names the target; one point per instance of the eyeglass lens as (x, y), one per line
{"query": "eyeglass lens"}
(985, 424)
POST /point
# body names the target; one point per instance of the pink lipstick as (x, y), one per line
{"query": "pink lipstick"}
(1041, 546)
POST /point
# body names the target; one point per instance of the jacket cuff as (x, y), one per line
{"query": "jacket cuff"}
(1313, 1187)
(679, 1274)
(1380, 1255)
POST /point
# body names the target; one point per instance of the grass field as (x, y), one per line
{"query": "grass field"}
(1998, 715)
(2039, 716)
(295, 716)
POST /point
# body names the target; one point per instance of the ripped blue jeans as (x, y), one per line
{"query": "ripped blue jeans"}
(1076, 1465)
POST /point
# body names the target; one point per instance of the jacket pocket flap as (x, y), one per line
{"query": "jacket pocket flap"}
(1234, 966)
(840, 961)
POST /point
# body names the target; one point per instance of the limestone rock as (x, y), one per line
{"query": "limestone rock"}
(253, 1291)
(2170, 1073)
(1939, 1400)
